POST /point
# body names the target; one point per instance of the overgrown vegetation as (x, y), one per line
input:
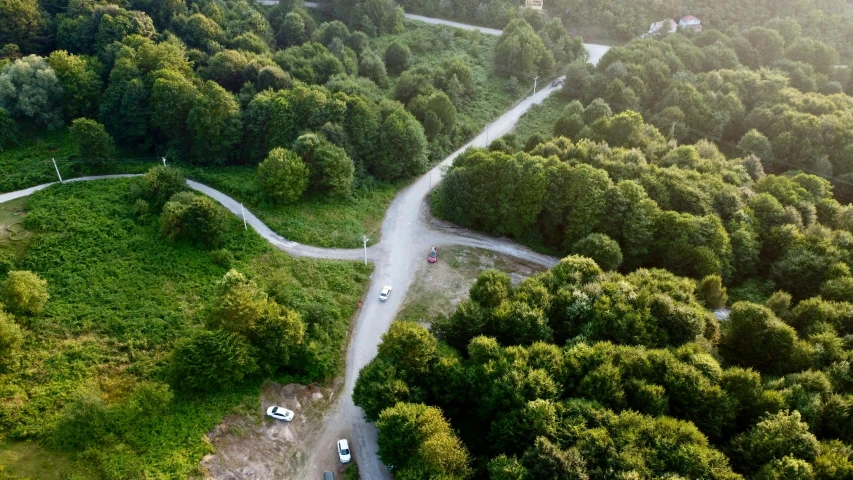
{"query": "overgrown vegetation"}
(93, 375)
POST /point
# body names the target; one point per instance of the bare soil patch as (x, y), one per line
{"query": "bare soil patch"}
(254, 446)
(13, 235)
(438, 288)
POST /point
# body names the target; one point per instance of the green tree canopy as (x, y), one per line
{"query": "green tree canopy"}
(93, 142)
(24, 293)
(418, 441)
(521, 53)
(283, 176)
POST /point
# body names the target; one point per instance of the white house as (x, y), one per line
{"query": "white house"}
(689, 22)
(534, 4)
(662, 26)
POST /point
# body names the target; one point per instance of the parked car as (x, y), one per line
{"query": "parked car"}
(343, 451)
(386, 290)
(433, 255)
(327, 475)
(557, 83)
(280, 413)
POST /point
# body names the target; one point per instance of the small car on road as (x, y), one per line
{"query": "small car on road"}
(557, 83)
(280, 413)
(386, 290)
(433, 255)
(327, 475)
(343, 451)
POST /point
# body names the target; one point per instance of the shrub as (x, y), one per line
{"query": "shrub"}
(11, 337)
(24, 292)
(211, 361)
(160, 183)
(283, 176)
(601, 248)
(397, 57)
(712, 293)
(92, 141)
(187, 216)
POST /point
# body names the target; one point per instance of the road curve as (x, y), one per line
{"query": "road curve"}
(595, 51)
(407, 234)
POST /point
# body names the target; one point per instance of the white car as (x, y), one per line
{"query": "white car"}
(343, 451)
(280, 413)
(386, 290)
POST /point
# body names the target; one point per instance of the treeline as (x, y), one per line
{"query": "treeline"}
(824, 20)
(639, 203)
(212, 83)
(579, 373)
(787, 106)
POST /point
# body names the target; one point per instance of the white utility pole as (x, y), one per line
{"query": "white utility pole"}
(243, 214)
(535, 81)
(57, 170)
(364, 239)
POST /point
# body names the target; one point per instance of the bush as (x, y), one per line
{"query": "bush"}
(160, 183)
(187, 216)
(601, 248)
(212, 361)
(712, 293)
(7, 261)
(11, 337)
(283, 176)
(397, 57)
(92, 141)
(24, 292)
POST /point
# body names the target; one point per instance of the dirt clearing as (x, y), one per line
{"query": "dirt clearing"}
(438, 288)
(13, 235)
(254, 446)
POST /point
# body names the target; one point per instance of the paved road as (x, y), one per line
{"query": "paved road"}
(595, 51)
(407, 233)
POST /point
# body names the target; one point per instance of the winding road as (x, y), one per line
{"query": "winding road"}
(408, 231)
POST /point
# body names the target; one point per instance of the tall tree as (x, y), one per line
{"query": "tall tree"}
(93, 142)
(214, 124)
(520, 53)
(29, 88)
(418, 441)
(283, 176)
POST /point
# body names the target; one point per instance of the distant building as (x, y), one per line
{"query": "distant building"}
(663, 26)
(689, 22)
(534, 4)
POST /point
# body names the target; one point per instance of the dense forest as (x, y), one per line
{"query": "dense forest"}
(682, 174)
(578, 373)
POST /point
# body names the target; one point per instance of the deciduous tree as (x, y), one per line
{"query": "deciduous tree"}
(283, 176)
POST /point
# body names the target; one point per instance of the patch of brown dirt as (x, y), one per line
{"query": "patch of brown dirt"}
(254, 446)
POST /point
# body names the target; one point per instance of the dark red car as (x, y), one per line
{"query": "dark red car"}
(433, 255)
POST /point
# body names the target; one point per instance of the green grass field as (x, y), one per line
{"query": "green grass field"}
(121, 296)
(316, 220)
(540, 119)
(431, 45)
(30, 162)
